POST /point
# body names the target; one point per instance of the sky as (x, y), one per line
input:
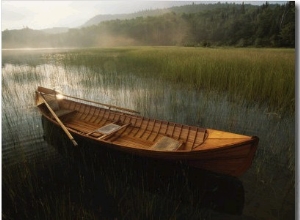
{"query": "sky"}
(47, 14)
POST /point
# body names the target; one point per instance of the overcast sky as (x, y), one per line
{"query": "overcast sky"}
(48, 14)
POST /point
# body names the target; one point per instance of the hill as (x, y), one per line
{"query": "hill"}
(107, 17)
(240, 25)
(55, 30)
(188, 9)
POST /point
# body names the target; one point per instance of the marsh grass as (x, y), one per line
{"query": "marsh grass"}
(265, 76)
(248, 91)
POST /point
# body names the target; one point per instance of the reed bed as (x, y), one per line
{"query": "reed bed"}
(265, 76)
(248, 91)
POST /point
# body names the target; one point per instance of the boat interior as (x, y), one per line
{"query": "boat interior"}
(121, 127)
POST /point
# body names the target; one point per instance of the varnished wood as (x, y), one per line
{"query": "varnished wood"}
(59, 121)
(210, 149)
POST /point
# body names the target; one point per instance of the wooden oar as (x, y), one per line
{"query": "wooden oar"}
(59, 122)
(54, 92)
(110, 106)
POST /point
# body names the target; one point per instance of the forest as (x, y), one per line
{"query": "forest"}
(220, 24)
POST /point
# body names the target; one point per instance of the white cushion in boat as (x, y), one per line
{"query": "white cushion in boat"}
(166, 144)
(108, 129)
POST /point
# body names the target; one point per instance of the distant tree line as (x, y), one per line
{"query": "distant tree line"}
(241, 25)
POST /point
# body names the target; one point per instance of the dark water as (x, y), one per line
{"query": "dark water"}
(34, 171)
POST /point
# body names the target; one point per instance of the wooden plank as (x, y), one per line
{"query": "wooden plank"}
(112, 133)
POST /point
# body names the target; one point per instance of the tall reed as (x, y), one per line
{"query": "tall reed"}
(264, 76)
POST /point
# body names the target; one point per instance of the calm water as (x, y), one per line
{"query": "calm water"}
(22, 134)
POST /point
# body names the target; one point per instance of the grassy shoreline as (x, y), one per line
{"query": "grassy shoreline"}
(264, 76)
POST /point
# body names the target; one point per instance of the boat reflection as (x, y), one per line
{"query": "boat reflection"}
(177, 182)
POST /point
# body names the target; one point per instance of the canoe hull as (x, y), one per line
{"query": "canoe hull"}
(207, 149)
(224, 161)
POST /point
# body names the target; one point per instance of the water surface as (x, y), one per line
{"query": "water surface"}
(22, 133)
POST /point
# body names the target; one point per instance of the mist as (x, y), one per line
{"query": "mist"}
(218, 24)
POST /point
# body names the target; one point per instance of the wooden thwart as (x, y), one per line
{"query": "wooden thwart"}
(113, 132)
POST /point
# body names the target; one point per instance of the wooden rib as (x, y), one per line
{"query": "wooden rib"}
(195, 138)
(70, 105)
(139, 127)
(87, 112)
(181, 128)
(92, 114)
(100, 116)
(133, 125)
(151, 130)
(125, 119)
(113, 118)
(80, 110)
(167, 126)
(107, 118)
(202, 140)
(145, 128)
(173, 130)
(96, 116)
(157, 131)
(114, 115)
(187, 136)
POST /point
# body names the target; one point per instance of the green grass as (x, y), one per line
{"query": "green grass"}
(264, 76)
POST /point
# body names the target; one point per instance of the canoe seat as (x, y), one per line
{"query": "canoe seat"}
(107, 129)
(166, 144)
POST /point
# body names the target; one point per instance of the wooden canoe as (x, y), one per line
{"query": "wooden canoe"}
(125, 130)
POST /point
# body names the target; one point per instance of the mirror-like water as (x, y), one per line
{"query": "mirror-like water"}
(22, 134)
